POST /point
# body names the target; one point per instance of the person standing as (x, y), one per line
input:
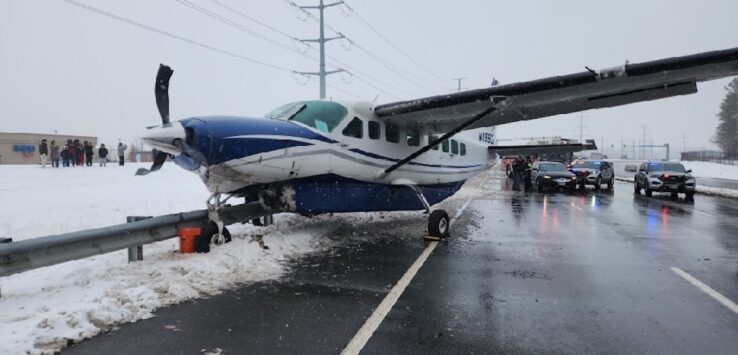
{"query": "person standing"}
(102, 154)
(121, 153)
(43, 152)
(528, 171)
(518, 172)
(89, 152)
(72, 153)
(79, 153)
(65, 156)
(54, 154)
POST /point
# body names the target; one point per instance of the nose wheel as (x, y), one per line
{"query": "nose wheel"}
(215, 231)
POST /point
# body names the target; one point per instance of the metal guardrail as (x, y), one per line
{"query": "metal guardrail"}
(34, 253)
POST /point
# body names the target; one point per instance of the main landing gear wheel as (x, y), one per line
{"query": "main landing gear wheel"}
(438, 225)
(210, 236)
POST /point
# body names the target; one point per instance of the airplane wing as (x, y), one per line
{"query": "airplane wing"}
(590, 89)
(502, 150)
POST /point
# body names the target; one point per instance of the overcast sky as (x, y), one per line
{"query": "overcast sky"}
(68, 69)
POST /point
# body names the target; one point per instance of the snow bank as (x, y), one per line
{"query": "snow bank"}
(704, 169)
(705, 190)
(44, 309)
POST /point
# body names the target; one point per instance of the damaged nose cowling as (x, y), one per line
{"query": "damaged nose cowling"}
(165, 138)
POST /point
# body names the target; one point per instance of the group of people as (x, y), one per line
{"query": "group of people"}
(521, 169)
(74, 153)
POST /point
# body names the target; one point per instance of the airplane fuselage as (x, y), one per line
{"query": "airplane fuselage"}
(318, 162)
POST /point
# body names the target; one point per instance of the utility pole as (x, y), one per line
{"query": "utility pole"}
(322, 73)
(643, 143)
(581, 128)
(459, 82)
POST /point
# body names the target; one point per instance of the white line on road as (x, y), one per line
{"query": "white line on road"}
(706, 289)
(575, 206)
(366, 331)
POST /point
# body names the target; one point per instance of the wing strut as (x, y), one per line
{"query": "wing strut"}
(497, 103)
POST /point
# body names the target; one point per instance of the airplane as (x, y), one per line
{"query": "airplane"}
(313, 157)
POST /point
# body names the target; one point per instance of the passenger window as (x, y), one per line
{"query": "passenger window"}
(391, 133)
(413, 138)
(454, 147)
(354, 129)
(373, 129)
(463, 148)
(444, 146)
(432, 138)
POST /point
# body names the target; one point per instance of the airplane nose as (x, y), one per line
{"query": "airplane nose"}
(163, 137)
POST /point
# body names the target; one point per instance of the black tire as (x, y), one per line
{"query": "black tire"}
(598, 183)
(611, 184)
(539, 187)
(257, 222)
(438, 224)
(636, 188)
(689, 196)
(674, 195)
(649, 193)
(202, 244)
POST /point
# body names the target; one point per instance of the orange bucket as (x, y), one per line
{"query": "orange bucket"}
(187, 239)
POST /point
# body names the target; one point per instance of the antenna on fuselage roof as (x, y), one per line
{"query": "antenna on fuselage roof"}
(375, 100)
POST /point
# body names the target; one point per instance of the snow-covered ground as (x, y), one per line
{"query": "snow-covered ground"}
(700, 169)
(41, 310)
(704, 169)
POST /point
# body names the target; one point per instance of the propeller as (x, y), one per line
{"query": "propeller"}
(161, 91)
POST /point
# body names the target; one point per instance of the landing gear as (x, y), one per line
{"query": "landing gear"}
(438, 221)
(438, 224)
(215, 231)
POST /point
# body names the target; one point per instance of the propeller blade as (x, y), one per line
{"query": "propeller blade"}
(161, 90)
(159, 160)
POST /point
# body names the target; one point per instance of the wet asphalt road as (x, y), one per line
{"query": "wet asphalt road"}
(553, 273)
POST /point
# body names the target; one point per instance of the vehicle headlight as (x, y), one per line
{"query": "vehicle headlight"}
(546, 177)
(573, 177)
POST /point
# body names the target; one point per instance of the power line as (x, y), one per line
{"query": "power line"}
(174, 36)
(353, 71)
(398, 71)
(389, 42)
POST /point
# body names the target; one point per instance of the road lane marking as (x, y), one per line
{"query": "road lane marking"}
(575, 206)
(706, 289)
(366, 331)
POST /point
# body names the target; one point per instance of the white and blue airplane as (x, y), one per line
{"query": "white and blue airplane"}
(313, 157)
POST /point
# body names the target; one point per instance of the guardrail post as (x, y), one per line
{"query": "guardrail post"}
(4, 240)
(135, 253)
(268, 220)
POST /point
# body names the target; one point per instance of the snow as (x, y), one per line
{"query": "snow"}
(700, 169)
(703, 169)
(42, 310)
(705, 190)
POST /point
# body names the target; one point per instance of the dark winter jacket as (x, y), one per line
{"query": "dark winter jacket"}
(102, 152)
(65, 154)
(88, 150)
(43, 148)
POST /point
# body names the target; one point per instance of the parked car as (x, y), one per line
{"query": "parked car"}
(594, 172)
(552, 175)
(665, 177)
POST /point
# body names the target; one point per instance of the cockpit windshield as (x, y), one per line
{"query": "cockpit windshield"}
(321, 115)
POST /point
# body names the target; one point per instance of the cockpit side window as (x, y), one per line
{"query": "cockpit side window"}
(321, 115)
(444, 146)
(355, 128)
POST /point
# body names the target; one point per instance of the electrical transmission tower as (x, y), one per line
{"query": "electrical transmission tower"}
(322, 73)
